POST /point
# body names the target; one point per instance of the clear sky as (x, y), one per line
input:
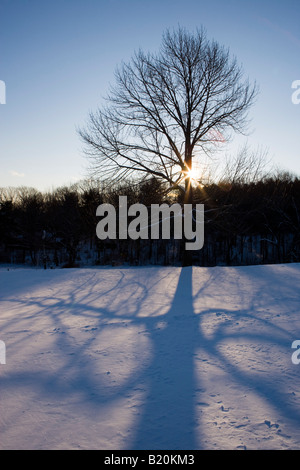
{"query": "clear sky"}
(57, 59)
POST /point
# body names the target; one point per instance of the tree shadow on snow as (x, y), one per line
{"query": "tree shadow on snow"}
(166, 417)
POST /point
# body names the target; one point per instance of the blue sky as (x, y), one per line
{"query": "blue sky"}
(57, 59)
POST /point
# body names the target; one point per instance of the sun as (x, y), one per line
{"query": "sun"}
(191, 174)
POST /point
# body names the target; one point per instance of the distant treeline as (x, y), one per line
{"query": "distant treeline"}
(245, 223)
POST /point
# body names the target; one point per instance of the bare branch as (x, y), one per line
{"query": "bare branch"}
(165, 106)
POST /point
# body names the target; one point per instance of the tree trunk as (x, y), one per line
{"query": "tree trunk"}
(187, 258)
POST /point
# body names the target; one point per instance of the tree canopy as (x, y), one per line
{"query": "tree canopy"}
(168, 108)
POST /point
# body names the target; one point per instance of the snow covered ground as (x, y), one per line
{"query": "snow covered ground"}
(150, 358)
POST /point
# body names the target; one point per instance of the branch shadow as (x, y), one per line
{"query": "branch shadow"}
(158, 358)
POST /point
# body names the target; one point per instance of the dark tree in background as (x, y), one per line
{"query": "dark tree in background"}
(249, 219)
(167, 109)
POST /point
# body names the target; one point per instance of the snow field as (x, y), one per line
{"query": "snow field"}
(150, 358)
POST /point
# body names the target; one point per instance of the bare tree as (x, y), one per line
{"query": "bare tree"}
(248, 166)
(166, 109)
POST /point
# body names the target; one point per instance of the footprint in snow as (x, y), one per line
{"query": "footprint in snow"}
(268, 423)
(88, 328)
(57, 330)
(224, 409)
